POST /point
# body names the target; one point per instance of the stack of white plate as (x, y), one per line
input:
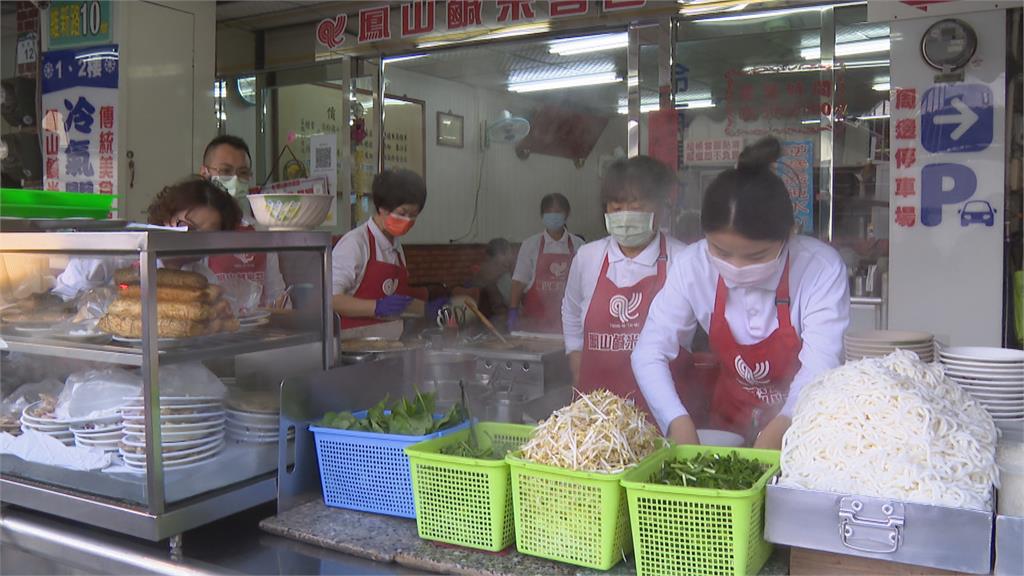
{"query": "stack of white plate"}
(878, 343)
(50, 426)
(254, 427)
(994, 376)
(254, 319)
(102, 435)
(191, 431)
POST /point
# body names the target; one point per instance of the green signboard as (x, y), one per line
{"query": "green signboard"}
(78, 23)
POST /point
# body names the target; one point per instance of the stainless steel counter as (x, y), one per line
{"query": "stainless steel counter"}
(33, 543)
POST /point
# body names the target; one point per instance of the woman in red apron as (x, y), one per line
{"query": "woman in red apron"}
(614, 280)
(371, 288)
(542, 269)
(775, 306)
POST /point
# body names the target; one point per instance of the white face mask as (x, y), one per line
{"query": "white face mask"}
(630, 229)
(233, 184)
(746, 276)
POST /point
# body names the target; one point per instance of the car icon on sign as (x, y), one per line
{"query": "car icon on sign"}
(977, 212)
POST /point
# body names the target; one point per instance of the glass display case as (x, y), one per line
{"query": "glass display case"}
(162, 353)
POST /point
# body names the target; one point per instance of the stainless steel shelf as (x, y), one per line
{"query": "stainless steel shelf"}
(197, 349)
(162, 242)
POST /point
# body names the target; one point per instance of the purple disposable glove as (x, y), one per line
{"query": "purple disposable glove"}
(513, 319)
(390, 306)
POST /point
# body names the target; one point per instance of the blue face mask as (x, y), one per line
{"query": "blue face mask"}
(554, 221)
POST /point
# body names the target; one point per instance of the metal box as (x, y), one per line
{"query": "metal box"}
(1009, 546)
(919, 534)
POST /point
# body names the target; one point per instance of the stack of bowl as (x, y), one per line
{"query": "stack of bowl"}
(191, 431)
(994, 376)
(35, 418)
(878, 343)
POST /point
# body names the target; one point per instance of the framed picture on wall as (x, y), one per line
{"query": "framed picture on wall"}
(450, 130)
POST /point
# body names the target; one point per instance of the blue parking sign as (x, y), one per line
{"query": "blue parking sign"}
(957, 118)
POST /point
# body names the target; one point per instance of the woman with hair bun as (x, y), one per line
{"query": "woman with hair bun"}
(775, 306)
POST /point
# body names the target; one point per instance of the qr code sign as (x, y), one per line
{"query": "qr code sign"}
(323, 157)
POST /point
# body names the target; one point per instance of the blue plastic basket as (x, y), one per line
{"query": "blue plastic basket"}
(368, 471)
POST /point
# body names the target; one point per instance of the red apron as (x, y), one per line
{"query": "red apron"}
(610, 332)
(250, 266)
(542, 304)
(753, 380)
(380, 279)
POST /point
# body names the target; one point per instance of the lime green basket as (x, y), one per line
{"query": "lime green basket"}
(466, 501)
(578, 518)
(18, 203)
(679, 530)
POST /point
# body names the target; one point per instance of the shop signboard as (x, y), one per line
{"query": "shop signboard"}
(433, 21)
(947, 182)
(883, 10)
(79, 90)
(77, 23)
(796, 168)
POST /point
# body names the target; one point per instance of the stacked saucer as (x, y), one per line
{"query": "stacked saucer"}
(36, 417)
(254, 427)
(994, 376)
(878, 343)
(191, 431)
(102, 435)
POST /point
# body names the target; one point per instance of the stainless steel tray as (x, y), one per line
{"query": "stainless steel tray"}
(1009, 546)
(540, 350)
(918, 534)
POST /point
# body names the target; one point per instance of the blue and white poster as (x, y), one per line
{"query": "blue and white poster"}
(80, 119)
(796, 168)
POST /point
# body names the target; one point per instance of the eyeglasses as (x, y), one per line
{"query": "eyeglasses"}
(242, 173)
(185, 222)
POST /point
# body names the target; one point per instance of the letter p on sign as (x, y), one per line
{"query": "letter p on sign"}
(943, 184)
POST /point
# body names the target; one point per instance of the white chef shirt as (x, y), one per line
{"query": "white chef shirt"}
(351, 253)
(622, 271)
(526, 263)
(82, 274)
(819, 309)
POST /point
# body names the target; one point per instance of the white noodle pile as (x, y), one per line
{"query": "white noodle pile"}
(892, 427)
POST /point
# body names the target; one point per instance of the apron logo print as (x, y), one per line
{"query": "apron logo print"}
(558, 269)
(245, 258)
(389, 286)
(623, 309)
(755, 378)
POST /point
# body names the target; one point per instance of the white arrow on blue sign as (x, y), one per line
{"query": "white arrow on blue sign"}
(957, 118)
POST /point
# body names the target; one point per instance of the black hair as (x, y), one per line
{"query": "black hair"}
(394, 188)
(639, 178)
(750, 199)
(192, 192)
(233, 141)
(555, 200)
(498, 246)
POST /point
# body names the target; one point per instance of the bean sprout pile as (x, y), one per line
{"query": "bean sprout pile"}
(599, 432)
(892, 427)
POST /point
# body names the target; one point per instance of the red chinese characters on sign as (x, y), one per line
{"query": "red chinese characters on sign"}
(106, 142)
(374, 24)
(906, 129)
(906, 187)
(617, 5)
(560, 8)
(766, 100)
(906, 157)
(106, 167)
(514, 10)
(464, 13)
(906, 216)
(106, 117)
(52, 142)
(722, 151)
(52, 168)
(906, 98)
(417, 18)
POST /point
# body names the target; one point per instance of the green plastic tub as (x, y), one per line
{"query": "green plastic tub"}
(19, 203)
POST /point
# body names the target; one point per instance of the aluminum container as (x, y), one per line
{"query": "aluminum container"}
(1009, 546)
(918, 534)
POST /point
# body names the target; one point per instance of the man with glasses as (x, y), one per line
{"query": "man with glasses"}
(227, 161)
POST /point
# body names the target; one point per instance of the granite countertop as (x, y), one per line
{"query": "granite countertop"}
(388, 539)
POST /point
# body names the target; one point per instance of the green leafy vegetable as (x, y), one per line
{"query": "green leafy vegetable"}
(469, 449)
(406, 417)
(707, 470)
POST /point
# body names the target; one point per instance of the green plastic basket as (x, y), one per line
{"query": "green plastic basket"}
(678, 530)
(19, 203)
(466, 501)
(578, 518)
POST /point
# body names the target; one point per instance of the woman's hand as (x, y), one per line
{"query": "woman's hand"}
(682, 431)
(771, 437)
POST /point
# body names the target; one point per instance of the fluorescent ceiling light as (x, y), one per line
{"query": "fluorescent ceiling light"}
(393, 59)
(874, 117)
(565, 82)
(694, 104)
(849, 48)
(691, 10)
(587, 44)
(505, 33)
(652, 105)
(806, 67)
(812, 121)
(769, 14)
(883, 86)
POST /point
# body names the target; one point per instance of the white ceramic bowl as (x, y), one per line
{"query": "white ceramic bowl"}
(719, 438)
(290, 211)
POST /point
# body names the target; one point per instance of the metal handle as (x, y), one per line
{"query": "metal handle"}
(131, 169)
(879, 531)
